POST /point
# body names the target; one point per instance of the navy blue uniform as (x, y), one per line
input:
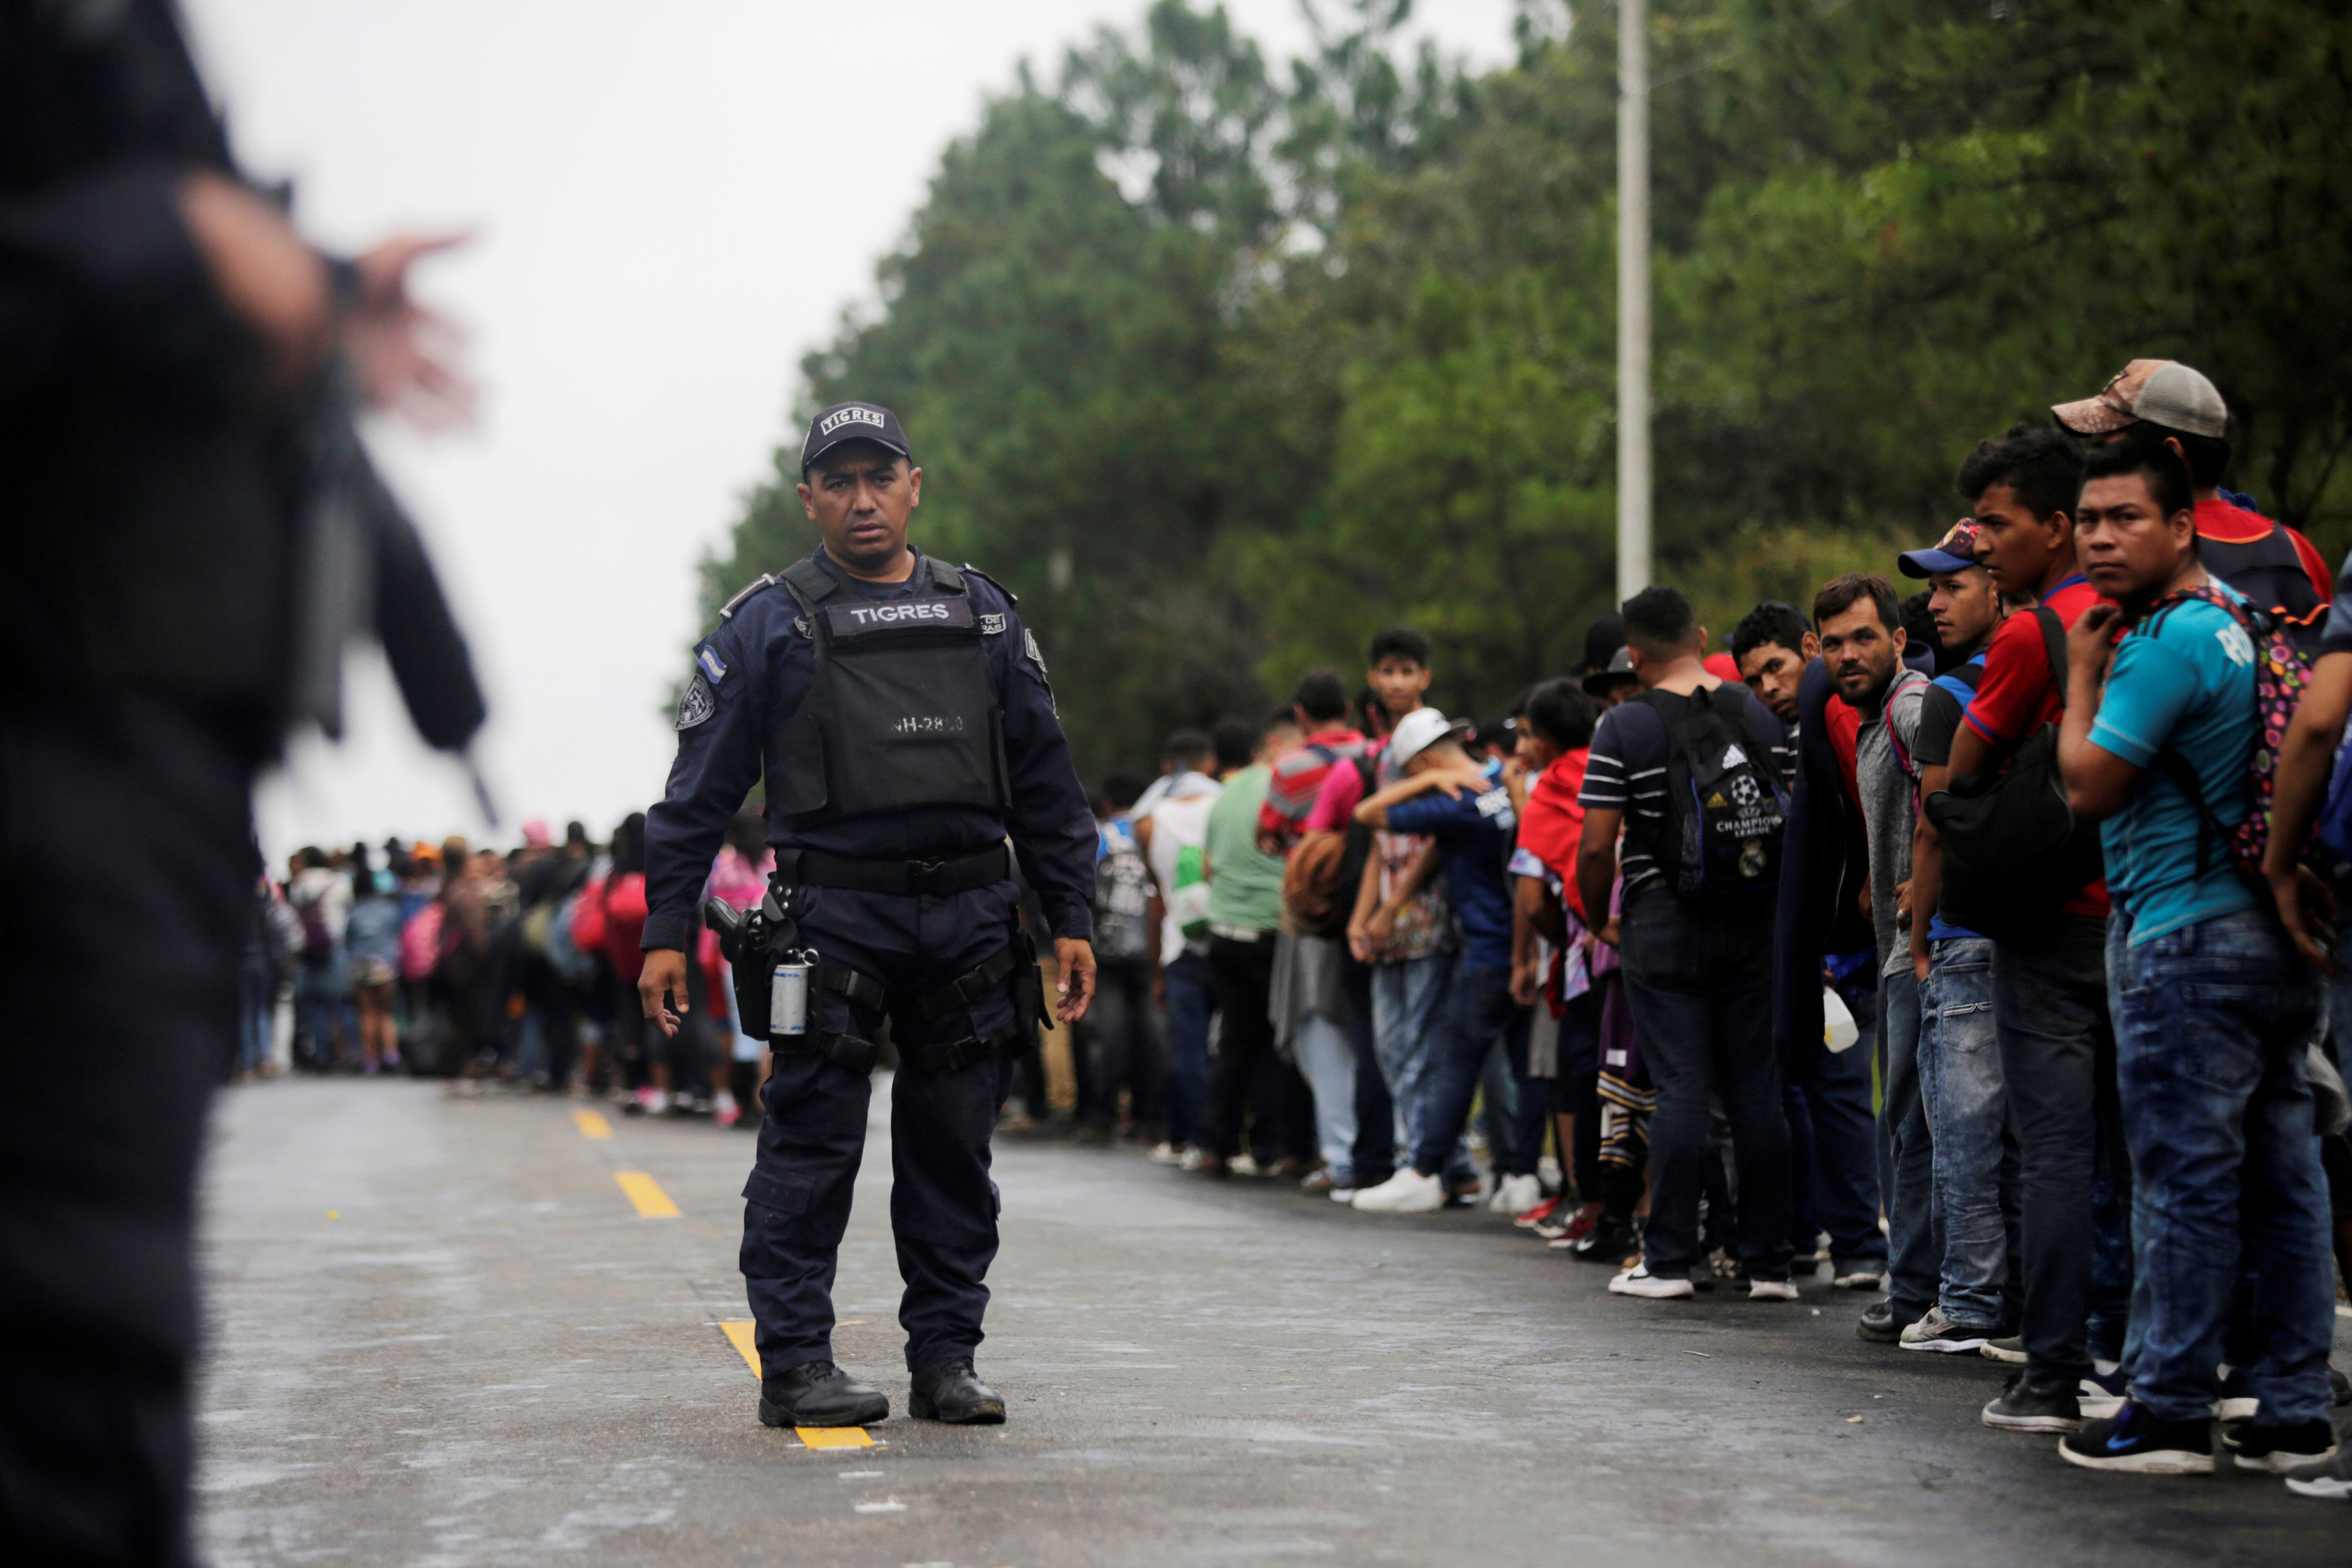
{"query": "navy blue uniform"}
(751, 676)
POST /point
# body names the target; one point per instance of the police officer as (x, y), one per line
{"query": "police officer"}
(904, 723)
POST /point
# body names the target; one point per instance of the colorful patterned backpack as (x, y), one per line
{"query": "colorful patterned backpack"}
(2282, 671)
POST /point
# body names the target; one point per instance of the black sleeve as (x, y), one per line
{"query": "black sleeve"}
(1939, 720)
(720, 739)
(1052, 827)
(101, 115)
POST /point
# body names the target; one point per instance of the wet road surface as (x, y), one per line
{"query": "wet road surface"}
(443, 1333)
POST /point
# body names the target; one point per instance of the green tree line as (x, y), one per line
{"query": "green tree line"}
(1222, 362)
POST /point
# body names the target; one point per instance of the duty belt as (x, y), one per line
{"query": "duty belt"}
(930, 879)
(858, 1055)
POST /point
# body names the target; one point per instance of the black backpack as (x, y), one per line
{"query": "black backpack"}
(1725, 807)
(2012, 851)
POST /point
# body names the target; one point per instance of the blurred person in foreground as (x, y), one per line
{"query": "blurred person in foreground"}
(899, 715)
(189, 511)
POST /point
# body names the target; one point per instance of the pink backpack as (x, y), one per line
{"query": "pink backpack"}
(421, 947)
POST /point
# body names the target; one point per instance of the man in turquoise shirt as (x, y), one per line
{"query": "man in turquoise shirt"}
(2212, 1005)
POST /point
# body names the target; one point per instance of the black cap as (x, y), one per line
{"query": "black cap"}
(1602, 640)
(853, 422)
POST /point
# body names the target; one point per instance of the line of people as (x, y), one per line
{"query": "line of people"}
(1974, 952)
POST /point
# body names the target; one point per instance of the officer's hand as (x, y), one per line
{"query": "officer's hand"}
(1075, 960)
(263, 272)
(664, 977)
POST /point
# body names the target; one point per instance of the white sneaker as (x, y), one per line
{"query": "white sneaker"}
(1192, 1159)
(1516, 1195)
(1164, 1153)
(1407, 1192)
(1243, 1165)
(1860, 1280)
(1343, 1194)
(1771, 1289)
(1638, 1281)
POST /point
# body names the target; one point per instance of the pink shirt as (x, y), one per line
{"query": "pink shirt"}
(1335, 802)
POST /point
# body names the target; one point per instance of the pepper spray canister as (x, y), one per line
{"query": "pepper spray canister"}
(788, 995)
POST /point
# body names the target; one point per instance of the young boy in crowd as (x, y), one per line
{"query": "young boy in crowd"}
(2050, 995)
(1959, 1058)
(1698, 972)
(1859, 623)
(1399, 927)
(1465, 808)
(2214, 1004)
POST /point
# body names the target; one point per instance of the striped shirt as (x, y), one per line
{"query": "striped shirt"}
(1627, 771)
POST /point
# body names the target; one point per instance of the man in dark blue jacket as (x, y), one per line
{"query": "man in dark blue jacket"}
(900, 715)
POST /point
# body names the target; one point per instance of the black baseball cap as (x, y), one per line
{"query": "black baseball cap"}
(854, 421)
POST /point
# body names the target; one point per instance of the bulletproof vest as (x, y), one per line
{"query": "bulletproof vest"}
(901, 710)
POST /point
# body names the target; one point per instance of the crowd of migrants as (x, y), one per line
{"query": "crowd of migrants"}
(1971, 951)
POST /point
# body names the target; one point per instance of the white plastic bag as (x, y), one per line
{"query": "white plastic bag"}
(1838, 1031)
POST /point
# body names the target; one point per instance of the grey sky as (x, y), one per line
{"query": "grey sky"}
(663, 230)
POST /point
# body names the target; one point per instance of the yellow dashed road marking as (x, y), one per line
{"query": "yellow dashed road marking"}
(647, 1193)
(591, 1124)
(738, 1334)
(832, 1436)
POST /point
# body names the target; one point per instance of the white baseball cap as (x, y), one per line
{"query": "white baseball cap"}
(1413, 734)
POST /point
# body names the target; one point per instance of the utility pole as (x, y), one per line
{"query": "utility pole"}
(1632, 296)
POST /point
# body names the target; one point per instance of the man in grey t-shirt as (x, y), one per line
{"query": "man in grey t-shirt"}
(1862, 641)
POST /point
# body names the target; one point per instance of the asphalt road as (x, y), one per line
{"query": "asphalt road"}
(441, 1333)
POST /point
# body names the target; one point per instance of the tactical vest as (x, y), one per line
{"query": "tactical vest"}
(901, 710)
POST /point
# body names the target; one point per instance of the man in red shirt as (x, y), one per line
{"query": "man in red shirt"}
(1321, 701)
(2165, 401)
(2050, 995)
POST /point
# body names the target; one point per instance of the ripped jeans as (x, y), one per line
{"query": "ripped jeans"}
(1960, 1079)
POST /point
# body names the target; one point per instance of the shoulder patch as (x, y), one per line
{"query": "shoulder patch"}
(696, 702)
(732, 605)
(1029, 646)
(710, 664)
(992, 625)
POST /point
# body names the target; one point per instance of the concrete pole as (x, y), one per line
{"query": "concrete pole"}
(1632, 296)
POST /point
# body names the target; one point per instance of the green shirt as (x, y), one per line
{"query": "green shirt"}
(1245, 882)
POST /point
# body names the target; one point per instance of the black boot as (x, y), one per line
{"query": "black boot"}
(819, 1393)
(949, 1391)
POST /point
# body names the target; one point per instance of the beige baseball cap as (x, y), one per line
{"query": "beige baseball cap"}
(2160, 392)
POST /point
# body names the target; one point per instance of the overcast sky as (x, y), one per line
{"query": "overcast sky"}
(661, 232)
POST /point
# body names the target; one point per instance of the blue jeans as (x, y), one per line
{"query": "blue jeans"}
(2211, 1029)
(1915, 1243)
(1326, 1058)
(1699, 986)
(2050, 1005)
(1834, 1150)
(1480, 1011)
(1190, 1002)
(1408, 1009)
(1968, 1106)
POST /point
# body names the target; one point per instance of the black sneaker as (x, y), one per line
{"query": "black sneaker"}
(2136, 1441)
(2025, 1406)
(1610, 1241)
(1878, 1324)
(2279, 1449)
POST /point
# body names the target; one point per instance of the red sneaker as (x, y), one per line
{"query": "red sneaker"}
(1535, 1216)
